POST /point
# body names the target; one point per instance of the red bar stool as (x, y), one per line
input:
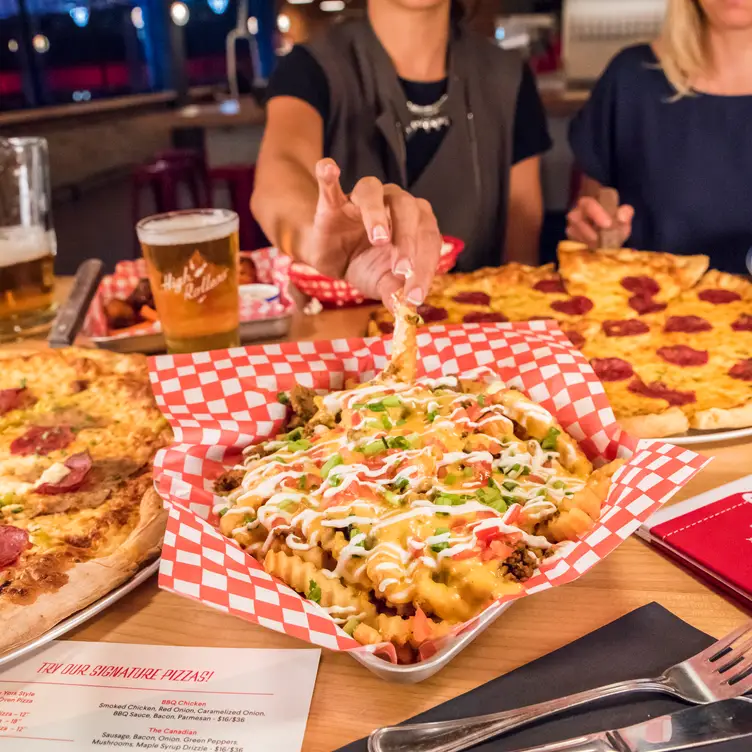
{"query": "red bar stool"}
(238, 179)
(193, 169)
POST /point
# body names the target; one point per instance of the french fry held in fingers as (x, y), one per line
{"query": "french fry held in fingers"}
(403, 507)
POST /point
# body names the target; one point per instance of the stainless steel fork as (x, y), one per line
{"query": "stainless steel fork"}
(722, 671)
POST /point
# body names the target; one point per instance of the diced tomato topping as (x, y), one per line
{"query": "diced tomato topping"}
(466, 554)
(533, 478)
(513, 514)
(457, 523)
(277, 522)
(442, 473)
(433, 441)
(352, 492)
(485, 515)
(488, 534)
(311, 480)
(421, 626)
(496, 550)
(473, 412)
(481, 471)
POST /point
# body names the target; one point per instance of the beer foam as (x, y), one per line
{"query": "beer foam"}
(178, 229)
(20, 244)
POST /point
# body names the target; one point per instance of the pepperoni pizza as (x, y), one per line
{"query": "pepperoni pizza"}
(670, 340)
(78, 514)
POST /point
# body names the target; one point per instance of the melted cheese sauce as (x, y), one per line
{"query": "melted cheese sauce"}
(413, 481)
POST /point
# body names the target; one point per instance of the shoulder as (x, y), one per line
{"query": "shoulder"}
(638, 61)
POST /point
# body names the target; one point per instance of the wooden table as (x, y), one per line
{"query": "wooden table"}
(349, 702)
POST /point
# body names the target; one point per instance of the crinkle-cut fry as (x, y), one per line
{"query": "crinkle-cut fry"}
(333, 541)
(386, 571)
(579, 513)
(440, 599)
(299, 574)
(403, 365)
(314, 554)
(537, 421)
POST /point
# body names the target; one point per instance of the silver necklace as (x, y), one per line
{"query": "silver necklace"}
(427, 117)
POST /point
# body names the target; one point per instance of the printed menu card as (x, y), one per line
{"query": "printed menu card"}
(109, 696)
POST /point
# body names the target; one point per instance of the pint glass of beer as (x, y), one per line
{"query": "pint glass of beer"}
(27, 240)
(192, 259)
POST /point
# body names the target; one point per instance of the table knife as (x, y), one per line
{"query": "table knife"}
(688, 729)
(71, 314)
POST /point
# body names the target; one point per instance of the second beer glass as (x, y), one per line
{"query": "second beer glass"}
(192, 260)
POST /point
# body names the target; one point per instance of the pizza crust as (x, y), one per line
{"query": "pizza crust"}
(717, 417)
(656, 425)
(87, 581)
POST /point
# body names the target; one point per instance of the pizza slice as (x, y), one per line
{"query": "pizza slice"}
(626, 283)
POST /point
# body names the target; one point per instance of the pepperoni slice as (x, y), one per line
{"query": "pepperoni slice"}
(719, 297)
(625, 328)
(658, 390)
(475, 317)
(472, 298)
(742, 370)
(645, 304)
(13, 542)
(612, 369)
(79, 466)
(575, 306)
(549, 286)
(387, 327)
(10, 399)
(689, 324)
(42, 440)
(641, 285)
(576, 339)
(431, 313)
(743, 323)
(683, 355)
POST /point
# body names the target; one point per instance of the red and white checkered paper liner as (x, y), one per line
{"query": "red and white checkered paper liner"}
(336, 293)
(272, 267)
(219, 402)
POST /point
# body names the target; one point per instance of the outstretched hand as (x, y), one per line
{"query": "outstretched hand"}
(379, 238)
(588, 218)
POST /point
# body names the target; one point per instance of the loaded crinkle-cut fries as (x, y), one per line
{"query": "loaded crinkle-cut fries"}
(404, 506)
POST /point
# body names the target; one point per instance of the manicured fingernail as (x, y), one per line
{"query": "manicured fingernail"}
(403, 268)
(415, 296)
(379, 233)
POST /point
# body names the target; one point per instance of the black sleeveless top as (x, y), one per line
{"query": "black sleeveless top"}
(685, 166)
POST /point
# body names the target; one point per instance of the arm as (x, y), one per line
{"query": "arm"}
(285, 190)
(524, 212)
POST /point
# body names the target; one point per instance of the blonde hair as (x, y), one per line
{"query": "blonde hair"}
(681, 48)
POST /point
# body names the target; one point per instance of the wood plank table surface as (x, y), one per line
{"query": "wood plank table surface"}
(349, 702)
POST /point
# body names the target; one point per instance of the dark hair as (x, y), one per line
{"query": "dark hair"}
(457, 11)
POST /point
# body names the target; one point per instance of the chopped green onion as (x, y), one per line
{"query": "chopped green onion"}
(441, 530)
(525, 470)
(375, 447)
(549, 440)
(248, 519)
(510, 485)
(298, 446)
(386, 422)
(303, 483)
(541, 492)
(439, 546)
(351, 625)
(481, 400)
(400, 484)
(358, 406)
(332, 462)
(432, 416)
(559, 484)
(295, 434)
(400, 422)
(515, 468)
(352, 531)
(391, 498)
(376, 407)
(450, 479)
(335, 480)
(223, 512)
(391, 400)
(282, 398)
(468, 472)
(286, 504)
(413, 439)
(314, 592)
(397, 442)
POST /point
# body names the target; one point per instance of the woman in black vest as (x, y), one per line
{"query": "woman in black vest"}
(384, 131)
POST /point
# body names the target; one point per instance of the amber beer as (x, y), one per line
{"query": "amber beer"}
(192, 260)
(26, 278)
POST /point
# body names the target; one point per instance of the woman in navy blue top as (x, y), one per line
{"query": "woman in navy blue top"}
(670, 127)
